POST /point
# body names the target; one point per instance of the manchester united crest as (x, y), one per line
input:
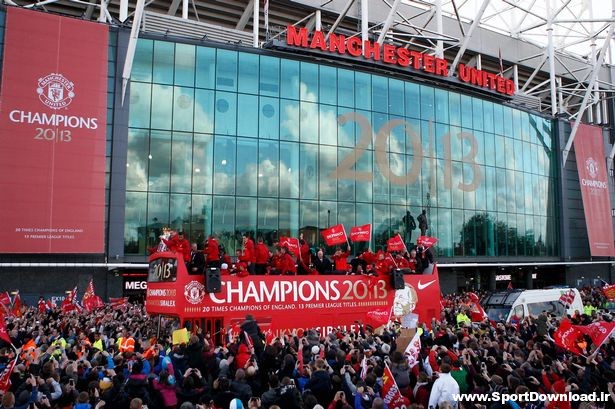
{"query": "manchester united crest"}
(194, 292)
(592, 167)
(55, 91)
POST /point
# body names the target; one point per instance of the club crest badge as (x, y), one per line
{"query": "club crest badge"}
(194, 292)
(55, 91)
(592, 167)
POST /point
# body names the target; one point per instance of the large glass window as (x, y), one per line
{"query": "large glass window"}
(223, 141)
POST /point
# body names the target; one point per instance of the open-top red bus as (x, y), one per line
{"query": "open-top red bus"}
(284, 303)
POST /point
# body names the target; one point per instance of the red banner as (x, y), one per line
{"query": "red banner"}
(390, 391)
(377, 317)
(90, 300)
(5, 377)
(609, 291)
(361, 233)
(477, 312)
(334, 235)
(567, 336)
(288, 302)
(599, 331)
(4, 335)
(589, 152)
(567, 298)
(52, 129)
(396, 243)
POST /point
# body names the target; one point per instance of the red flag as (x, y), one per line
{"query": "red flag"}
(426, 241)
(5, 377)
(4, 335)
(90, 300)
(567, 337)
(568, 297)
(50, 304)
(609, 291)
(510, 287)
(16, 310)
(412, 350)
(70, 302)
(5, 299)
(118, 302)
(390, 391)
(478, 314)
(599, 331)
(334, 235)
(377, 317)
(396, 243)
(292, 244)
(361, 233)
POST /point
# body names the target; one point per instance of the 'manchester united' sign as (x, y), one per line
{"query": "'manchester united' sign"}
(390, 54)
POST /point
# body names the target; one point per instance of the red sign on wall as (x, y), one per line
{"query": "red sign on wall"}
(589, 152)
(52, 129)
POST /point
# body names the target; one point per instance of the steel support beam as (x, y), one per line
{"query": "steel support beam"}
(185, 5)
(536, 70)
(466, 39)
(551, 54)
(388, 22)
(588, 93)
(439, 29)
(318, 20)
(245, 16)
(132, 46)
(340, 18)
(102, 17)
(123, 10)
(256, 20)
(364, 20)
(173, 7)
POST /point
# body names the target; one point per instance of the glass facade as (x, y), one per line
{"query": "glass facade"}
(225, 141)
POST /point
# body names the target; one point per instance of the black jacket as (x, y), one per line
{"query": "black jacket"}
(197, 263)
(324, 266)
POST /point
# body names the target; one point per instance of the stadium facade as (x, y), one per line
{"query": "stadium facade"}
(314, 126)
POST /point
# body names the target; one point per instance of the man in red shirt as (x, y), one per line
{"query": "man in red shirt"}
(249, 253)
(305, 257)
(262, 256)
(287, 264)
(182, 246)
(212, 253)
(341, 260)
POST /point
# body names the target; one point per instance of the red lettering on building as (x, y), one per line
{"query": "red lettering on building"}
(390, 54)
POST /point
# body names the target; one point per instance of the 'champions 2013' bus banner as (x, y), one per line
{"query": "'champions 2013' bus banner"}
(593, 177)
(52, 130)
(290, 302)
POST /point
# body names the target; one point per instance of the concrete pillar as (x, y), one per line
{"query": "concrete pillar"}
(492, 274)
(529, 284)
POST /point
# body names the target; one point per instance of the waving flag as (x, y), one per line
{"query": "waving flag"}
(567, 336)
(70, 302)
(609, 291)
(334, 235)
(426, 241)
(90, 300)
(396, 243)
(390, 391)
(599, 331)
(378, 317)
(292, 244)
(4, 335)
(5, 299)
(118, 302)
(568, 297)
(42, 306)
(412, 350)
(361, 233)
(5, 377)
(478, 314)
(16, 310)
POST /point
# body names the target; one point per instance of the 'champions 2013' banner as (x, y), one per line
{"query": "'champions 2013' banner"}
(289, 302)
(52, 129)
(589, 152)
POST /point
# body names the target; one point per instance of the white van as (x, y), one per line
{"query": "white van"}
(502, 306)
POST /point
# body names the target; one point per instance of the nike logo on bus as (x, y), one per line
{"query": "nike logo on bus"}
(423, 286)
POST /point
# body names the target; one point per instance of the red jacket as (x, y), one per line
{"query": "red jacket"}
(183, 246)
(287, 264)
(305, 253)
(341, 261)
(262, 253)
(249, 254)
(211, 251)
(369, 257)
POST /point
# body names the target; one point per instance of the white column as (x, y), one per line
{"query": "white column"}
(185, 9)
(256, 22)
(551, 54)
(364, 19)
(439, 43)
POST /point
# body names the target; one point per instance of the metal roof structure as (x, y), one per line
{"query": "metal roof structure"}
(558, 52)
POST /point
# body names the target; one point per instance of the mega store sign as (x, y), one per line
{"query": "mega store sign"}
(52, 130)
(398, 56)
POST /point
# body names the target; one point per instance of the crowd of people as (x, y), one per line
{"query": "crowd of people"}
(119, 358)
(257, 258)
